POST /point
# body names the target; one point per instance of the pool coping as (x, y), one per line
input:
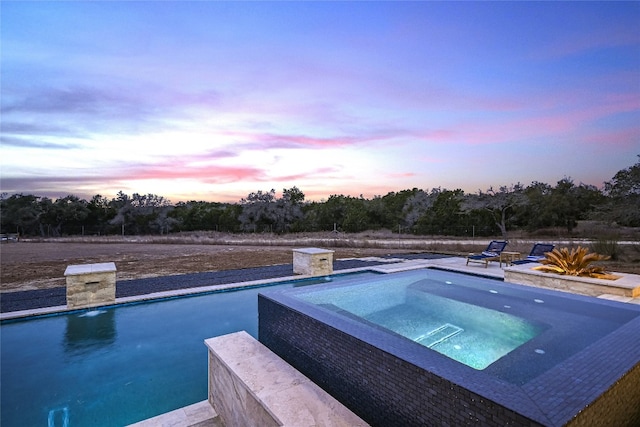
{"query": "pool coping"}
(200, 413)
(391, 265)
(250, 385)
(145, 297)
(625, 285)
(184, 292)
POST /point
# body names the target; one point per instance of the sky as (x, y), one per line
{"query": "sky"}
(211, 101)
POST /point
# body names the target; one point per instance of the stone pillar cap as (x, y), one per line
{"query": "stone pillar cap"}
(312, 251)
(105, 267)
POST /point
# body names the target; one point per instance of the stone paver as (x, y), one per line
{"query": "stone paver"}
(199, 414)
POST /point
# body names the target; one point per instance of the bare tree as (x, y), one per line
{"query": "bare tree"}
(416, 205)
(499, 203)
(142, 213)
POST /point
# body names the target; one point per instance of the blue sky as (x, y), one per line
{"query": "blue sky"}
(214, 100)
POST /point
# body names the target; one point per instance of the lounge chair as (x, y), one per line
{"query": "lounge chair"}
(492, 253)
(536, 254)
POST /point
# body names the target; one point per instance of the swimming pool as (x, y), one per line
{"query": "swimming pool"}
(117, 365)
(469, 333)
(419, 348)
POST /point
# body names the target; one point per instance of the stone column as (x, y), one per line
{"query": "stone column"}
(91, 285)
(312, 261)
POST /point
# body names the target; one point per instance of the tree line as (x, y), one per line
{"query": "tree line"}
(423, 212)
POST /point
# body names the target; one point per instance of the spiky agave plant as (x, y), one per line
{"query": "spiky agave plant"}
(572, 263)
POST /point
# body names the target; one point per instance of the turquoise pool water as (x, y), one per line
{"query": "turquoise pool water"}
(116, 366)
(510, 332)
(471, 334)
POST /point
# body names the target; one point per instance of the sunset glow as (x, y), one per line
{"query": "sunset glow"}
(214, 100)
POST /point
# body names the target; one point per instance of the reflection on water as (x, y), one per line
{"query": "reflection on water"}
(113, 366)
(90, 330)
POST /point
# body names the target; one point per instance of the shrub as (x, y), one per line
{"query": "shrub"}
(572, 263)
(607, 246)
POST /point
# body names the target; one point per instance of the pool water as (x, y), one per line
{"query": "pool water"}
(456, 329)
(118, 365)
(473, 320)
(471, 334)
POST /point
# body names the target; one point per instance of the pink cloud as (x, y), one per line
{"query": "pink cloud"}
(439, 135)
(213, 174)
(402, 175)
(554, 116)
(266, 141)
(216, 155)
(207, 173)
(301, 141)
(621, 138)
(308, 174)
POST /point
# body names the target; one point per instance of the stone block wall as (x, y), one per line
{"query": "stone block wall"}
(251, 386)
(91, 285)
(312, 261)
(627, 285)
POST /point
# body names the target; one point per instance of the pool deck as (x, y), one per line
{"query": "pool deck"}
(201, 414)
(381, 265)
(49, 301)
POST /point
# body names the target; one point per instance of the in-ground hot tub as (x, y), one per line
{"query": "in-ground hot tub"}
(429, 347)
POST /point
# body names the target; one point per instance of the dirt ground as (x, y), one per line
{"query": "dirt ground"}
(34, 265)
(28, 265)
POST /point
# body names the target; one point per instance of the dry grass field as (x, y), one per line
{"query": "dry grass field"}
(40, 264)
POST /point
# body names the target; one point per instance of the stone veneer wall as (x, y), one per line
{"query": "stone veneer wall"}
(381, 388)
(313, 261)
(251, 386)
(91, 285)
(234, 400)
(580, 285)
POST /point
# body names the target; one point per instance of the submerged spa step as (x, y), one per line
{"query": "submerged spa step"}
(439, 335)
